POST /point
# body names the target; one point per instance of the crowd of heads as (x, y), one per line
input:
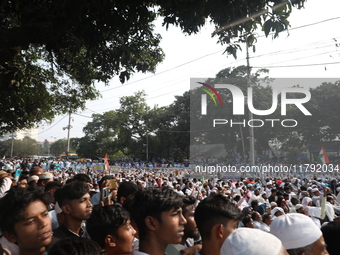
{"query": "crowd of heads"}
(141, 212)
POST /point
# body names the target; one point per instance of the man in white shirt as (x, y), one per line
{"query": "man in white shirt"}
(266, 221)
(178, 189)
(6, 181)
(255, 196)
(256, 219)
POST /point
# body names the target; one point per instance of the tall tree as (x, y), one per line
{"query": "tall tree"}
(45, 147)
(59, 147)
(26, 147)
(132, 117)
(51, 52)
(100, 135)
(123, 130)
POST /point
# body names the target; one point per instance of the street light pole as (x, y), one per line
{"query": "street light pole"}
(12, 145)
(251, 128)
(147, 147)
(68, 134)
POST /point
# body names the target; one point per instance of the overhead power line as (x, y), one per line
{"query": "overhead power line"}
(314, 64)
(53, 125)
(186, 63)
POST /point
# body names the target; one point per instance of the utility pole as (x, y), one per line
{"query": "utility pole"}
(12, 145)
(251, 128)
(68, 135)
(147, 147)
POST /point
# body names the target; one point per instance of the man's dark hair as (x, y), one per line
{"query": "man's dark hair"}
(331, 234)
(265, 217)
(214, 210)
(254, 204)
(253, 215)
(294, 200)
(126, 189)
(14, 203)
(106, 177)
(246, 220)
(75, 246)
(82, 178)
(279, 193)
(71, 191)
(106, 221)
(23, 177)
(151, 201)
(274, 190)
(329, 198)
(68, 181)
(287, 187)
(188, 201)
(52, 185)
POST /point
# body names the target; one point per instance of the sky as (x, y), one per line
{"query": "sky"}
(307, 50)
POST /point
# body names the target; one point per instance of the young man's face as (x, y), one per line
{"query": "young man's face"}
(319, 247)
(171, 227)
(125, 237)
(258, 217)
(250, 224)
(81, 208)
(190, 229)
(23, 183)
(268, 220)
(35, 230)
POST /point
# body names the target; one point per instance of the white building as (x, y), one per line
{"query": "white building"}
(19, 135)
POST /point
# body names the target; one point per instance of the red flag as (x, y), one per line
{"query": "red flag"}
(106, 160)
(323, 158)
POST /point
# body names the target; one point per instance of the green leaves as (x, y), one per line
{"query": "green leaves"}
(47, 44)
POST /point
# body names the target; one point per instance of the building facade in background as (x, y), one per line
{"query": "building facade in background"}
(19, 135)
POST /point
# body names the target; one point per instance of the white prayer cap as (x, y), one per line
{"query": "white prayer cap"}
(33, 178)
(306, 201)
(235, 195)
(338, 189)
(298, 206)
(275, 210)
(315, 189)
(295, 230)
(273, 204)
(269, 183)
(309, 188)
(244, 240)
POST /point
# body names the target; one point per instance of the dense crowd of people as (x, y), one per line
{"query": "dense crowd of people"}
(46, 210)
